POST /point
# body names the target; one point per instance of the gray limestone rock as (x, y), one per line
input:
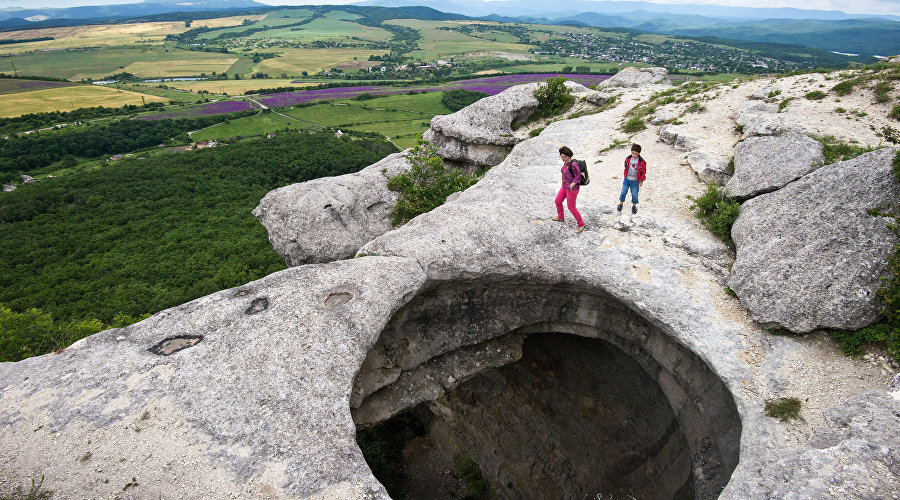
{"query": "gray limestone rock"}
(678, 137)
(328, 219)
(596, 97)
(663, 116)
(809, 255)
(637, 77)
(27, 179)
(9, 187)
(763, 126)
(709, 167)
(856, 456)
(481, 133)
(765, 92)
(764, 164)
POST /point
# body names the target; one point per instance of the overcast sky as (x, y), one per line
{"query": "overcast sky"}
(855, 7)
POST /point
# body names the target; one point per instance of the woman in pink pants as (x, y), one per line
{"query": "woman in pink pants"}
(571, 178)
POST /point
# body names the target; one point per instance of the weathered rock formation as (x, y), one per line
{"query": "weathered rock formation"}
(637, 77)
(809, 255)
(330, 218)
(764, 164)
(709, 167)
(678, 137)
(482, 134)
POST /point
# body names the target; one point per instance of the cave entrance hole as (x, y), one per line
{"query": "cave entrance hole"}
(485, 374)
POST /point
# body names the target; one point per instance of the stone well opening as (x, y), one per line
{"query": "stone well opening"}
(554, 391)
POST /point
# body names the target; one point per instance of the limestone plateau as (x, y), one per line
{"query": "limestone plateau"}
(606, 364)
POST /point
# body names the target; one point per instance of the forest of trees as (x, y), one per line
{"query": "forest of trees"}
(138, 236)
(27, 153)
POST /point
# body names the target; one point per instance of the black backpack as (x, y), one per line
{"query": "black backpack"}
(582, 165)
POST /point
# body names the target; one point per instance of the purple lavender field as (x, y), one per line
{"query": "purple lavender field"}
(490, 85)
(13, 86)
(210, 108)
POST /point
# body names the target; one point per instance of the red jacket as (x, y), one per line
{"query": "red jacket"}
(641, 168)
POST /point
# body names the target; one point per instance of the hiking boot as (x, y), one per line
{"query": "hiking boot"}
(619, 208)
(580, 229)
(634, 209)
(557, 219)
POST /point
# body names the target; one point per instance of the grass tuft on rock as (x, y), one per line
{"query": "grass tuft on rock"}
(783, 409)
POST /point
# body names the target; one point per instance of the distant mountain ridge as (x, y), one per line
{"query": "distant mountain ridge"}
(20, 15)
(539, 8)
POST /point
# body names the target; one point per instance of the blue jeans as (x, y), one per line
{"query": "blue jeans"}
(626, 185)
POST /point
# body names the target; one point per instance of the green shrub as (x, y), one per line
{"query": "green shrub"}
(783, 409)
(883, 91)
(774, 93)
(536, 132)
(717, 211)
(456, 100)
(34, 332)
(815, 95)
(844, 87)
(553, 98)
(634, 124)
(427, 184)
(784, 103)
(470, 472)
(695, 107)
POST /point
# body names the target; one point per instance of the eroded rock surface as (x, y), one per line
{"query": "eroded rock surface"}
(709, 167)
(678, 137)
(809, 255)
(328, 219)
(856, 456)
(637, 77)
(482, 133)
(764, 164)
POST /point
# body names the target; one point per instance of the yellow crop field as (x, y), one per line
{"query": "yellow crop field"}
(435, 43)
(69, 98)
(225, 22)
(91, 36)
(233, 87)
(294, 61)
(179, 67)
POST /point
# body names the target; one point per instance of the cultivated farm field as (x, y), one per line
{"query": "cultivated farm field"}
(98, 63)
(73, 37)
(181, 67)
(69, 98)
(325, 29)
(248, 126)
(235, 87)
(295, 61)
(436, 43)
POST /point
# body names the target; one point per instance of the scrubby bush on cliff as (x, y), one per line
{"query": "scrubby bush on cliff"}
(427, 184)
(717, 211)
(553, 98)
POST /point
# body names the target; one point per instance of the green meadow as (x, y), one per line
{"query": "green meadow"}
(250, 126)
(402, 117)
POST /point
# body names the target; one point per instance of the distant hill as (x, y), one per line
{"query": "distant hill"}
(541, 8)
(19, 16)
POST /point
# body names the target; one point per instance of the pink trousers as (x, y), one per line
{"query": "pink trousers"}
(569, 196)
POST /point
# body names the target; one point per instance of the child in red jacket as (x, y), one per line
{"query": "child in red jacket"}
(635, 173)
